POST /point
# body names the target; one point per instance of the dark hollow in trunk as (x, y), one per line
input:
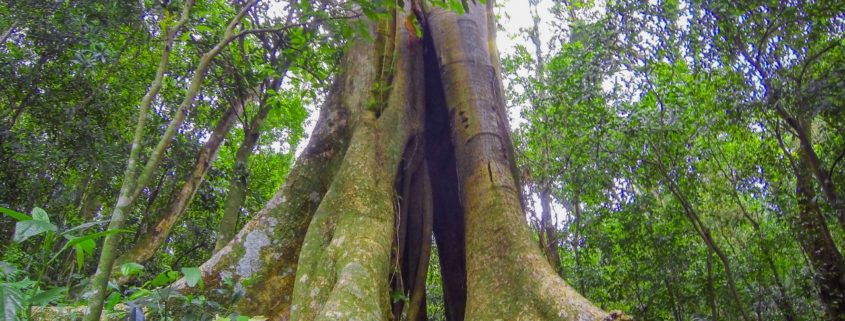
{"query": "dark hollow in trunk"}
(412, 143)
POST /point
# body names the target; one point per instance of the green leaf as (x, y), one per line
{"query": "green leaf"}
(76, 240)
(112, 300)
(15, 214)
(163, 278)
(172, 275)
(80, 257)
(131, 268)
(399, 296)
(81, 227)
(40, 214)
(45, 297)
(86, 246)
(11, 300)
(160, 280)
(139, 294)
(30, 228)
(193, 276)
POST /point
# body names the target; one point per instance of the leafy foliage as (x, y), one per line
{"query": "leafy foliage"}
(663, 130)
(681, 145)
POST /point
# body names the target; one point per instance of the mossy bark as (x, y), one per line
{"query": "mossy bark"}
(238, 183)
(266, 250)
(346, 257)
(812, 233)
(507, 276)
(412, 140)
(99, 283)
(133, 183)
(156, 234)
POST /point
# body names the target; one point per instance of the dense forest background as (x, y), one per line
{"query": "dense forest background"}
(680, 160)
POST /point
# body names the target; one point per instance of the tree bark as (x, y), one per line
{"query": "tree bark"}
(156, 235)
(507, 276)
(449, 221)
(345, 260)
(354, 207)
(123, 204)
(238, 184)
(803, 132)
(548, 230)
(817, 243)
(266, 249)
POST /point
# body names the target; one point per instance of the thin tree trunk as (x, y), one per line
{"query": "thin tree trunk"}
(234, 199)
(238, 184)
(146, 217)
(803, 132)
(576, 241)
(125, 201)
(548, 227)
(816, 240)
(548, 231)
(193, 90)
(155, 235)
(90, 203)
(704, 232)
(782, 297)
(711, 289)
(107, 255)
(130, 192)
(285, 218)
(677, 310)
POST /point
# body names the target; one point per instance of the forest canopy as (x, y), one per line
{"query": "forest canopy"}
(384, 160)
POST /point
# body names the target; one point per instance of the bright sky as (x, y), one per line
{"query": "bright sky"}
(515, 15)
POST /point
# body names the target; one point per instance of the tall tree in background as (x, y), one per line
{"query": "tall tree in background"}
(688, 119)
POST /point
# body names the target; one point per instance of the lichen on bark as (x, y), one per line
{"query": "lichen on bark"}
(413, 139)
(507, 277)
(345, 261)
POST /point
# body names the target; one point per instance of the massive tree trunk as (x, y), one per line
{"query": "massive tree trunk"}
(412, 140)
